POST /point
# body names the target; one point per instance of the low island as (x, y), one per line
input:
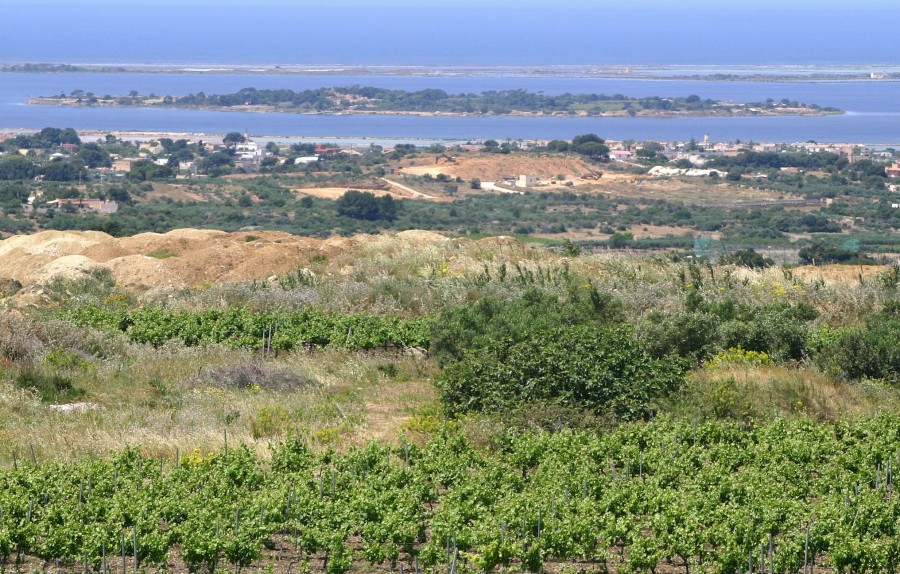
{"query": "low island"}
(371, 100)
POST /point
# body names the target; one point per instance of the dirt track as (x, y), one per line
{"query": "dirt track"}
(337, 192)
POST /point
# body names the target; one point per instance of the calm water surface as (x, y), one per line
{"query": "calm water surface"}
(874, 108)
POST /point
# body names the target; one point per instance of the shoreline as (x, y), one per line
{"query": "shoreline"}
(148, 135)
(361, 140)
(761, 73)
(737, 112)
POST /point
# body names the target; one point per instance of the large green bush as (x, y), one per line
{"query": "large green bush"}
(872, 351)
(693, 335)
(365, 205)
(477, 326)
(780, 330)
(601, 369)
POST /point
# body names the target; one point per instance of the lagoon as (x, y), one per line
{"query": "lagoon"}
(873, 108)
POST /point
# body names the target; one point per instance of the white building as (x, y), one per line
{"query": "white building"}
(526, 181)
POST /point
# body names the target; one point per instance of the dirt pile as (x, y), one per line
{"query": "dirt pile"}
(180, 259)
(492, 167)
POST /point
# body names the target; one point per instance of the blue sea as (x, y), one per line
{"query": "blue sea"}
(523, 34)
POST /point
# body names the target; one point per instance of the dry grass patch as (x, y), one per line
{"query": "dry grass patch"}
(694, 191)
(745, 392)
(178, 399)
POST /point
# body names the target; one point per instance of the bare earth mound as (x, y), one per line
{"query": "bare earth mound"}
(492, 167)
(153, 263)
(180, 259)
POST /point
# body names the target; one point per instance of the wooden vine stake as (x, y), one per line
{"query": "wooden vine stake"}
(137, 562)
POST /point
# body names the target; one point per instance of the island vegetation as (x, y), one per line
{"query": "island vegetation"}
(42, 68)
(372, 100)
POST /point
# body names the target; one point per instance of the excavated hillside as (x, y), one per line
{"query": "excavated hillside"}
(180, 259)
(152, 264)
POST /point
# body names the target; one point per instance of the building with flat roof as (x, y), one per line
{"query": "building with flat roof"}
(526, 181)
(125, 163)
(97, 205)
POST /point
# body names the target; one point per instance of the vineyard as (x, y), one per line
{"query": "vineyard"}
(785, 497)
(450, 412)
(238, 327)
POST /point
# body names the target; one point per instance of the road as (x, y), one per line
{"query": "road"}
(408, 189)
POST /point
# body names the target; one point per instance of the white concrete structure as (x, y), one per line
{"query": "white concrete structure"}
(526, 181)
(663, 171)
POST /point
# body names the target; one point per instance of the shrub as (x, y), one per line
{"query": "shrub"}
(60, 358)
(820, 253)
(739, 356)
(570, 249)
(19, 338)
(9, 287)
(867, 352)
(97, 283)
(781, 336)
(83, 341)
(388, 369)
(270, 421)
(692, 335)
(890, 278)
(49, 388)
(601, 369)
(365, 205)
(250, 376)
(780, 330)
(747, 258)
(460, 329)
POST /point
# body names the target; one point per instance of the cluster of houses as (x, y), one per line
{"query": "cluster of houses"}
(248, 156)
(699, 152)
(95, 205)
(104, 206)
(322, 150)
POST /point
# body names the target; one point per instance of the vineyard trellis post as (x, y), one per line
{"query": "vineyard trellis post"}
(806, 551)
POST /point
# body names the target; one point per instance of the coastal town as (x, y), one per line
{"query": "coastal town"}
(187, 156)
(598, 193)
(251, 154)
